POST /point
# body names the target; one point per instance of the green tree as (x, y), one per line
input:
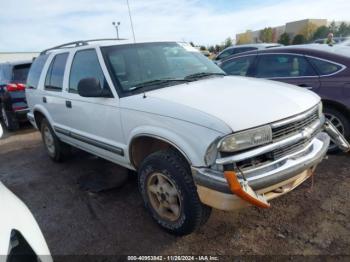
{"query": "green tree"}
(211, 49)
(192, 44)
(202, 48)
(299, 39)
(333, 27)
(284, 39)
(320, 32)
(218, 48)
(228, 42)
(266, 35)
(343, 29)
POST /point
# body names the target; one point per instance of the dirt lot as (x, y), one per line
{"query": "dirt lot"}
(305, 221)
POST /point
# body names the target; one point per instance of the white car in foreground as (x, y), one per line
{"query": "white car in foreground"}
(20, 236)
(197, 138)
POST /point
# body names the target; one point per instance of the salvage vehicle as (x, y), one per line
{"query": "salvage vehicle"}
(197, 138)
(20, 236)
(13, 76)
(322, 69)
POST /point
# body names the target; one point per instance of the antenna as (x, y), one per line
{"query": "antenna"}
(132, 26)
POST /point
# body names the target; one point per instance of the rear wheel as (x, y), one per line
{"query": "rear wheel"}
(9, 119)
(169, 193)
(340, 121)
(55, 148)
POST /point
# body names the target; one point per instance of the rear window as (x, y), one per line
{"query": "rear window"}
(35, 71)
(324, 67)
(20, 73)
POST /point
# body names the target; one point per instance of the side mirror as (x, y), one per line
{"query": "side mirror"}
(91, 87)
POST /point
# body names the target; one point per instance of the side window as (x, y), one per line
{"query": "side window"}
(85, 65)
(55, 73)
(324, 67)
(238, 66)
(35, 71)
(225, 54)
(283, 66)
(243, 49)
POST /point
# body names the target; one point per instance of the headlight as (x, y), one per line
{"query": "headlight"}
(246, 139)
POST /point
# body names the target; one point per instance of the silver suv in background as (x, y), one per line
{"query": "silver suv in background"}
(236, 49)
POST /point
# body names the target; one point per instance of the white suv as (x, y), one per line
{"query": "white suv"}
(197, 138)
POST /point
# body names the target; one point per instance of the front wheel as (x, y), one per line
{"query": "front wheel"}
(169, 193)
(340, 121)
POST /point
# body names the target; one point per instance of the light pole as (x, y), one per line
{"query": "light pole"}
(116, 25)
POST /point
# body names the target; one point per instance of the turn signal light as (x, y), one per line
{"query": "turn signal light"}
(244, 191)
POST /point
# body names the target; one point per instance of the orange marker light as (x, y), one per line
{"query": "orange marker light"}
(245, 192)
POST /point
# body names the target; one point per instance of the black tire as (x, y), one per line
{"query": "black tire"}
(56, 149)
(344, 127)
(175, 168)
(9, 119)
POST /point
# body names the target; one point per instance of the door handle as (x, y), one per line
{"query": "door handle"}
(44, 99)
(305, 86)
(68, 104)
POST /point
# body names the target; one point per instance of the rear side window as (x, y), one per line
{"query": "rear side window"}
(55, 74)
(20, 73)
(238, 66)
(324, 67)
(85, 65)
(225, 54)
(243, 49)
(280, 65)
(35, 71)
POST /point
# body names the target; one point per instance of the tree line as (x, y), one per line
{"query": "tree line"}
(308, 34)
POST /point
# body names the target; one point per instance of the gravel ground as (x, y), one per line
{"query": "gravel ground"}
(309, 220)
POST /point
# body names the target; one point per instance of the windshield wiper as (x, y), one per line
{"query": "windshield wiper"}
(202, 74)
(156, 82)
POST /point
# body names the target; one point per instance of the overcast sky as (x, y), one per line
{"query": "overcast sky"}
(33, 25)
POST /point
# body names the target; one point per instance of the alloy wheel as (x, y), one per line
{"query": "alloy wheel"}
(49, 141)
(164, 197)
(338, 125)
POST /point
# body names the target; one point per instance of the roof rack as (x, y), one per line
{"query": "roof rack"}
(79, 43)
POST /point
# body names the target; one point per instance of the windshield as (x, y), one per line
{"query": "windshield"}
(155, 65)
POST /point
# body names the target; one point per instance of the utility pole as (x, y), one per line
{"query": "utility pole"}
(116, 25)
(132, 26)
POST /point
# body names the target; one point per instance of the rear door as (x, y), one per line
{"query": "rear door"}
(289, 68)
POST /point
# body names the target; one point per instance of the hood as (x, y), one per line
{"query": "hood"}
(240, 102)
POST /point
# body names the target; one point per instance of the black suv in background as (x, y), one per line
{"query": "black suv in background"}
(13, 102)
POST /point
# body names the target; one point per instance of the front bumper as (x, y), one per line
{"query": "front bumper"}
(272, 174)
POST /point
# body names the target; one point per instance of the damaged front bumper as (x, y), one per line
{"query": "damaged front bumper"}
(270, 180)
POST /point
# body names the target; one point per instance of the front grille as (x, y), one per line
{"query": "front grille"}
(284, 131)
(280, 133)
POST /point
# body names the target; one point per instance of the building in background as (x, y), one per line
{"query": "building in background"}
(291, 28)
(16, 56)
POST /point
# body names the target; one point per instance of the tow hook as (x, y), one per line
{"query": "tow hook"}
(336, 136)
(244, 191)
